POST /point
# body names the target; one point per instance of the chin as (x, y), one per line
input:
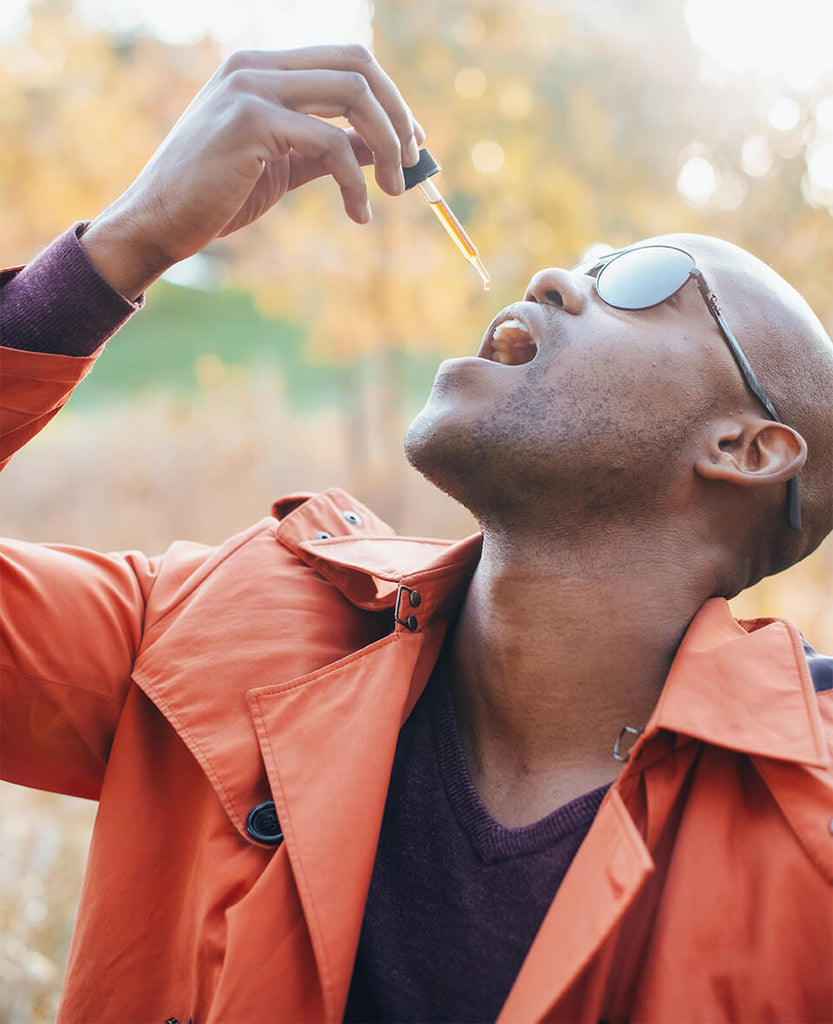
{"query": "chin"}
(461, 462)
(437, 449)
(424, 443)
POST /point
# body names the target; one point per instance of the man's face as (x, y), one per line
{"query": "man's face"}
(570, 402)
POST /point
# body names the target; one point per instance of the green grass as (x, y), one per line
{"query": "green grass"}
(159, 347)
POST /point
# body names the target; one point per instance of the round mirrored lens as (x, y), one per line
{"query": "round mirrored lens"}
(644, 277)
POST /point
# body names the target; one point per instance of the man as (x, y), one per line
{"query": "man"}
(344, 775)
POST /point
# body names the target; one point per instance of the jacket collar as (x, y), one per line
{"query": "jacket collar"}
(741, 685)
(745, 686)
(362, 556)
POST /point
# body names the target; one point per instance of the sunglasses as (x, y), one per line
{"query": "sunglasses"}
(645, 276)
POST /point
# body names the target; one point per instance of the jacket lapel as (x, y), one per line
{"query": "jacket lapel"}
(328, 742)
(576, 926)
(745, 689)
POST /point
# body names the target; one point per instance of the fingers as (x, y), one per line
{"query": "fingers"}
(347, 94)
(304, 170)
(362, 153)
(317, 148)
(372, 97)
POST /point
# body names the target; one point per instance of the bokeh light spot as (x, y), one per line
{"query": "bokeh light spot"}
(819, 186)
(515, 101)
(487, 156)
(469, 30)
(824, 114)
(784, 113)
(756, 156)
(697, 180)
(470, 83)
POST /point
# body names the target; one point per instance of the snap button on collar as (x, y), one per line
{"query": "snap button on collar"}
(353, 518)
(414, 600)
(323, 535)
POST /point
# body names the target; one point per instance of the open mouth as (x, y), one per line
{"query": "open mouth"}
(509, 343)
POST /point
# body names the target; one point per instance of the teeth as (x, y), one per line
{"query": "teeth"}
(512, 344)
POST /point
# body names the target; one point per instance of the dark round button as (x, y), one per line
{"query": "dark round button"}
(411, 622)
(323, 535)
(415, 599)
(263, 826)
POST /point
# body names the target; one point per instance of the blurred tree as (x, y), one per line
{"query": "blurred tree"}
(558, 125)
(81, 111)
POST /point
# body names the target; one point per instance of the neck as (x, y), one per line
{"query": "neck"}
(556, 649)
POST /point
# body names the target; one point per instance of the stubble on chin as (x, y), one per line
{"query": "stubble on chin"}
(544, 453)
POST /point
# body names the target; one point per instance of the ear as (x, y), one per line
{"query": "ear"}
(752, 451)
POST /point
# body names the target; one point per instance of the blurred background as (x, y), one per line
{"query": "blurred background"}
(291, 357)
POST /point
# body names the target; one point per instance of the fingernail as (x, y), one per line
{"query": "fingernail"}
(367, 213)
(400, 182)
(411, 153)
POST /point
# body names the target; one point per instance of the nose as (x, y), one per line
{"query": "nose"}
(557, 287)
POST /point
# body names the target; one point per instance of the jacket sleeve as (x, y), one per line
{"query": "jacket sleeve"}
(70, 620)
(55, 315)
(33, 387)
(72, 623)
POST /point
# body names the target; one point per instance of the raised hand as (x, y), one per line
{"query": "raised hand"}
(253, 133)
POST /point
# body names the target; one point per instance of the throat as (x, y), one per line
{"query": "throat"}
(545, 670)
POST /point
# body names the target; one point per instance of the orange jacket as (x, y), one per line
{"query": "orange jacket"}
(183, 691)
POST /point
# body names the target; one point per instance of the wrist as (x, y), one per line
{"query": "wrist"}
(115, 247)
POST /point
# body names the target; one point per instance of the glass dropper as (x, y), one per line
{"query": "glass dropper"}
(419, 174)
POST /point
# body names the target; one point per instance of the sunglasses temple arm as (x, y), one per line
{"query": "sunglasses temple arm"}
(793, 501)
(752, 381)
(793, 504)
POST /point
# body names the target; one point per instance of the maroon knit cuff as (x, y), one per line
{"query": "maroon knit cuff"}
(59, 302)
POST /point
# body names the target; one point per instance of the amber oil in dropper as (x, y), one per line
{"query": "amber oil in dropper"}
(446, 217)
(419, 175)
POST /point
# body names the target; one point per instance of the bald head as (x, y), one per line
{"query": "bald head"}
(792, 355)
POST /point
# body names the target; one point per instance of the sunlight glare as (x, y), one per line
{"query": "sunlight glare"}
(792, 40)
(14, 19)
(261, 24)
